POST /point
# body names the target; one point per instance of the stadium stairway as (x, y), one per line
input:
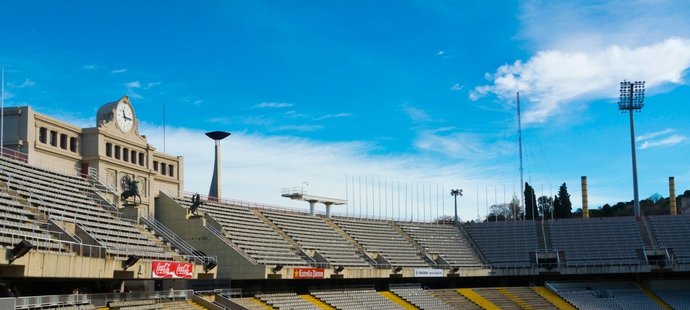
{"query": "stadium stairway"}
(453, 298)
(420, 249)
(352, 241)
(662, 304)
(554, 299)
(477, 299)
(316, 302)
(396, 299)
(299, 251)
(514, 298)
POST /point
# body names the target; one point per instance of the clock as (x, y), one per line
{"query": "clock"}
(124, 116)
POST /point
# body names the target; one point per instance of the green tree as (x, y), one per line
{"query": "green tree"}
(544, 204)
(565, 207)
(530, 202)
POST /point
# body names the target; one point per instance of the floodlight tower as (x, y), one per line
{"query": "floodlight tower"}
(631, 100)
(214, 191)
(455, 193)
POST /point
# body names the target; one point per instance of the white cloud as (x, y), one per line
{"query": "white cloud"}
(440, 53)
(415, 114)
(303, 128)
(663, 138)
(90, 67)
(272, 105)
(151, 84)
(335, 115)
(117, 71)
(256, 167)
(457, 87)
(653, 135)
(551, 80)
(134, 84)
(27, 83)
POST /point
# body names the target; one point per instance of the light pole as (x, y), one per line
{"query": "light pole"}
(455, 193)
(630, 100)
(214, 191)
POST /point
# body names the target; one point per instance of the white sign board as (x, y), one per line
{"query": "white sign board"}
(428, 272)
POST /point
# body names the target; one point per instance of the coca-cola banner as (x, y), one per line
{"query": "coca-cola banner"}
(307, 273)
(172, 270)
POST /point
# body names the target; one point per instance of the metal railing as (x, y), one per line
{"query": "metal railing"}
(97, 300)
(189, 251)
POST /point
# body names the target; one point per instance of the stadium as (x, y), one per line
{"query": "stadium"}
(97, 218)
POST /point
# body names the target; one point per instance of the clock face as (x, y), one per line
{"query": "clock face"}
(124, 116)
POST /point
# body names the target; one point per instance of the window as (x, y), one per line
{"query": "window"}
(125, 154)
(108, 149)
(155, 165)
(142, 160)
(43, 135)
(163, 170)
(73, 144)
(53, 138)
(171, 170)
(117, 152)
(63, 141)
(133, 156)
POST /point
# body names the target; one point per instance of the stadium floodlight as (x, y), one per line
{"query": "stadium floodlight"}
(338, 269)
(277, 268)
(131, 260)
(396, 270)
(208, 266)
(214, 191)
(454, 270)
(632, 99)
(455, 193)
(19, 250)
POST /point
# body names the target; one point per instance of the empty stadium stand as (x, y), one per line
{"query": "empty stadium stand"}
(251, 234)
(673, 232)
(453, 298)
(603, 295)
(355, 298)
(504, 244)
(63, 198)
(420, 298)
(287, 301)
(597, 241)
(444, 240)
(312, 233)
(379, 237)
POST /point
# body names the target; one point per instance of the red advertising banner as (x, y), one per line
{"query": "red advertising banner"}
(307, 273)
(172, 270)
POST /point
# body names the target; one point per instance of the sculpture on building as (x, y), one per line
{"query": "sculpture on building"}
(196, 202)
(131, 189)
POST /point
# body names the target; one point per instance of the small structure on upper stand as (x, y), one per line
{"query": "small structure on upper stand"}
(131, 190)
(298, 193)
(193, 210)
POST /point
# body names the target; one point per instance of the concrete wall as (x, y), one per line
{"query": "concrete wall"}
(231, 264)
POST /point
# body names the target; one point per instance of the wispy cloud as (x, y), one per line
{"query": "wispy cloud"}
(89, 67)
(417, 115)
(117, 71)
(457, 87)
(663, 138)
(258, 166)
(440, 53)
(553, 79)
(272, 105)
(151, 84)
(335, 115)
(131, 89)
(27, 83)
(301, 128)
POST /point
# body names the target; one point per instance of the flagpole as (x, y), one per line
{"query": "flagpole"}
(2, 114)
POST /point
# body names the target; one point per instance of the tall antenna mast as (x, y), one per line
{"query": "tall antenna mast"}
(522, 182)
(2, 113)
(163, 127)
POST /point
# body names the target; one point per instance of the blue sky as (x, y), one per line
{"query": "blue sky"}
(421, 92)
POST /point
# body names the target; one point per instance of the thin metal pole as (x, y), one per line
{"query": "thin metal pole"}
(2, 114)
(634, 156)
(522, 182)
